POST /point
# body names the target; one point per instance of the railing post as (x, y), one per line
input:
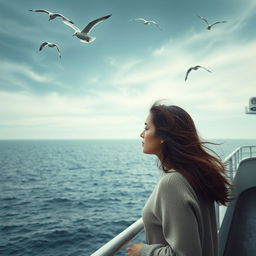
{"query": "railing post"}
(238, 160)
(235, 160)
(231, 168)
(217, 213)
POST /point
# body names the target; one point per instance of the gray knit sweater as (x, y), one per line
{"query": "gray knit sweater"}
(177, 222)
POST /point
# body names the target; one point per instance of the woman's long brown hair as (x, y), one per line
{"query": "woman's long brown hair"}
(184, 152)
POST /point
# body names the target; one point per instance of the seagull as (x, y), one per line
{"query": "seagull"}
(53, 15)
(209, 27)
(50, 45)
(195, 68)
(84, 34)
(148, 22)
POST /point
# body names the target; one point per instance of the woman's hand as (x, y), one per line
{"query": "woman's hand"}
(134, 249)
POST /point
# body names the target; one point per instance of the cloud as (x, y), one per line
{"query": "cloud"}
(162, 73)
(54, 107)
(24, 115)
(239, 20)
(21, 76)
(33, 25)
(11, 68)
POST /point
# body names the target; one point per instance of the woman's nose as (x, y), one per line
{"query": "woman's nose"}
(142, 135)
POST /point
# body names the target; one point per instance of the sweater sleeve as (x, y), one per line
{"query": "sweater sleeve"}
(177, 210)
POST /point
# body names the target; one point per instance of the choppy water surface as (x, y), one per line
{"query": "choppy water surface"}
(70, 197)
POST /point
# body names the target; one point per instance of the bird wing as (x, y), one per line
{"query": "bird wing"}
(42, 45)
(202, 18)
(188, 71)
(217, 22)
(153, 22)
(90, 25)
(57, 49)
(140, 19)
(204, 68)
(40, 10)
(63, 17)
(71, 25)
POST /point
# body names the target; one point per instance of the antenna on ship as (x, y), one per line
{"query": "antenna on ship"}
(251, 109)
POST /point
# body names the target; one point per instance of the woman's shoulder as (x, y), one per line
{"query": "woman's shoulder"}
(172, 177)
(174, 181)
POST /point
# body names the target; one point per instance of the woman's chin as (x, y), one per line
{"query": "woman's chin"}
(145, 151)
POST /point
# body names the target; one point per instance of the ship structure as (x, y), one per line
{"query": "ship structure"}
(251, 108)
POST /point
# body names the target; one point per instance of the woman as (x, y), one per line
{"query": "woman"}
(179, 216)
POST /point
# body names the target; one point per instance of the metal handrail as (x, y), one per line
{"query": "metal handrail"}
(120, 240)
(231, 162)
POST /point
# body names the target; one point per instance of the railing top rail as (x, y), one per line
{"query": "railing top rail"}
(120, 240)
(236, 150)
(231, 154)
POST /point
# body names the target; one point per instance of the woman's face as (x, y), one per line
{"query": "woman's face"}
(151, 143)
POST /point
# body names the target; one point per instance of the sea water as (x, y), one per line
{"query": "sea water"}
(69, 197)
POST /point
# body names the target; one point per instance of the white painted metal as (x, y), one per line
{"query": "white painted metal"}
(120, 240)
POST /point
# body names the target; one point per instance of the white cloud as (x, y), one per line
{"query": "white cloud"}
(240, 19)
(121, 113)
(219, 97)
(162, 74)
(22, 76)
(8, 68)
(23, 115)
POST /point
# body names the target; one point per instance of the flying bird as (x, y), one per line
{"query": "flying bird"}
(195, 68)
(209, 27)
(53, 15)
(148, 22)
(50, 45)
(84, 34)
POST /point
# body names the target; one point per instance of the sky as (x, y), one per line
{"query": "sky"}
(104, 89)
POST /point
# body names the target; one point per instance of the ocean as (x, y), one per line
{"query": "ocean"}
(69, 197)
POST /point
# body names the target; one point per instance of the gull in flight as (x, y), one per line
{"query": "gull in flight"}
(50, 45)
(53, 15)
(195, 68)
(84, 34)
(209, 27)
(148, 22)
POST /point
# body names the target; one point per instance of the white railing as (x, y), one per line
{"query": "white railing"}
(231, 162)
(120, 240)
